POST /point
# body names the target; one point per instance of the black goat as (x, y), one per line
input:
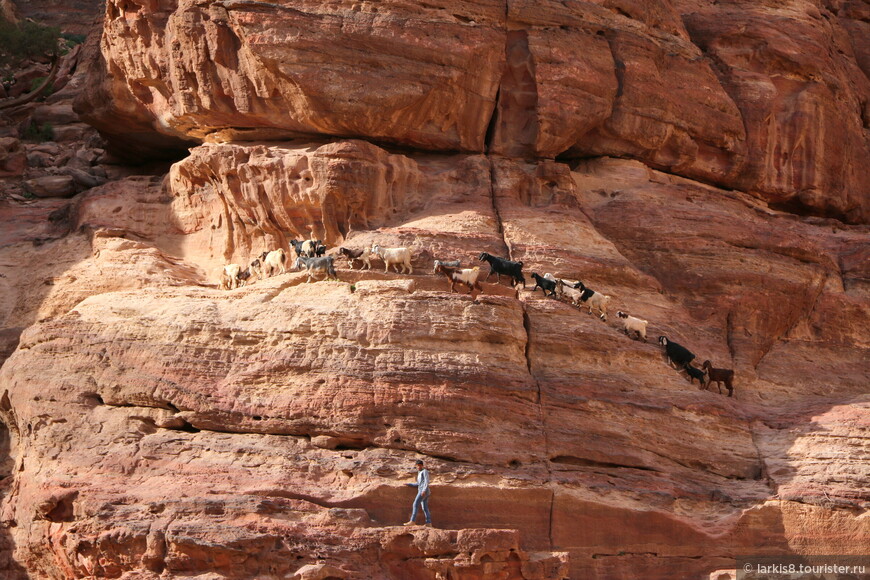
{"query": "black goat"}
(544, 284)
(297, 247)
(720, 376)
(696, 374)
(319, 249)
(677, 354)
(513, 270)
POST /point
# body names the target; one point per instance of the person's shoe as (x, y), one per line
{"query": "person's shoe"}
(428, 524)
(409, 524)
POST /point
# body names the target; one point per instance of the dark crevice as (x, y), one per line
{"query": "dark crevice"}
(527, 325)
(584, 462)
(493, 122)
(352, 446)
(729, 334)
(63, 509)
(186, 427)
(647, 554)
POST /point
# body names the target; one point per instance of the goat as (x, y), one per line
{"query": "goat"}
(448, 263)
(256, 266)
(676, 353)
(230, 277)
(564, 289)
(632, 324)
(361, 255)
(695, 373)
(568, 283)
(394, 256)
(467, 276)
(273, 261)
(513, 270)
(544, 284)
(594, 299)
(319, 249)
(309, 247)
(719, 376)
(297, 247)
(321, 266)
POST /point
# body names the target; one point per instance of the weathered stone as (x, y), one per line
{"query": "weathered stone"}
(83, 178)
(72, 132)
(13, 159)
(154, 426)
(624, 79)
(52, 186)
(56, 114)
(532, 414)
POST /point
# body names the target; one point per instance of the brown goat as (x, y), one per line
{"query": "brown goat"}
(719, 376)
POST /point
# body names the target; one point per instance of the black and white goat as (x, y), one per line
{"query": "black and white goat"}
(361, 254)
(594, 299)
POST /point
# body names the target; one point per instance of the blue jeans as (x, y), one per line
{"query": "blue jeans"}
(421, 500)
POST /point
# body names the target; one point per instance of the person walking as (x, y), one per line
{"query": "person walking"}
(423, 492)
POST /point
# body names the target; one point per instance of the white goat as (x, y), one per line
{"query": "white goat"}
(274, 261)
(566, 290)
(599, 302)
(394, 256)
(632, 324)
(230, 277)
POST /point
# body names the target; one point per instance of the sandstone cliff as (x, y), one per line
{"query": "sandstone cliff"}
(702, 163)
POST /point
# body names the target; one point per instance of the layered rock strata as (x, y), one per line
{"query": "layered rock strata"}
(666, 153)
(718, 93)
(314, 398)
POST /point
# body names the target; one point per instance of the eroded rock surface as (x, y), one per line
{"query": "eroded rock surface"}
(690, 160)
(771, 100)
(288, 410)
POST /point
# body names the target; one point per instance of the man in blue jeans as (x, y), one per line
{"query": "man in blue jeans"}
(423, 492)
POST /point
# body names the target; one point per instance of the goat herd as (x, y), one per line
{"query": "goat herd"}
(310, 255)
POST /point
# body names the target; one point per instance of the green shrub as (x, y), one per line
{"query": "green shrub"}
(37, 82)
(39, 133)
(74, 39)
(27, 40)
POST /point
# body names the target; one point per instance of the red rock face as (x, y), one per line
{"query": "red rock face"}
(682, 158)
(719, 93)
